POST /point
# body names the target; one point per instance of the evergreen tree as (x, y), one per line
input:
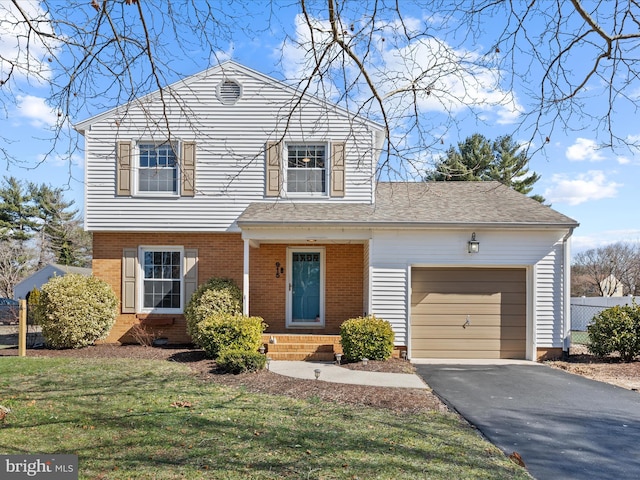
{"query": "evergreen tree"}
(477, 159)
(61, 232)
(17, 211)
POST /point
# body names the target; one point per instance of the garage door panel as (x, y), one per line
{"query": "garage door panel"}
(482, 333)
(476, 320)
(472, 274)
(493, 299)
(468, 309)
(458, 298)
(474, 286)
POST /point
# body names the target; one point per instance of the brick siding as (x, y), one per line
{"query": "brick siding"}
(221, 255)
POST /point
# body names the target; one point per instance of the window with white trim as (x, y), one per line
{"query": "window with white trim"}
(306, 168)
(162, 279)
(157, 168)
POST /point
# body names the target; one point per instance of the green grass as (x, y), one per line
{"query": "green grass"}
(579, 338)
(117, 416)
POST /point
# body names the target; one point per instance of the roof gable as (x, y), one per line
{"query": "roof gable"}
(232, 70)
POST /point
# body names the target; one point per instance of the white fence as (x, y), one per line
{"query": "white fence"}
(583, 309)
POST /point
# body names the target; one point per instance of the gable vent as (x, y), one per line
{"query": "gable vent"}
(229, 91)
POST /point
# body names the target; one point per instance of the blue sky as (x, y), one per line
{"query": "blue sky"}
(595, 186)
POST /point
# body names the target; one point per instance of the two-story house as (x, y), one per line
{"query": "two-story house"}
(231, 173)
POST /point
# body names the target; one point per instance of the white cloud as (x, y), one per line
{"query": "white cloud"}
(589, 186)
(22, 53)
(442, 78)
(446, 80)
(36, 110)
(624, 160)
(584, 149)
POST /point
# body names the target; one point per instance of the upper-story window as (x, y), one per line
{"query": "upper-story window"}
(157, 168)
(306, 168)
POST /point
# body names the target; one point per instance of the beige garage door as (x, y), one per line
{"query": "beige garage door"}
(468, 313)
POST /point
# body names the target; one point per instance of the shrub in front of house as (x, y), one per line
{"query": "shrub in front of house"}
(74, 311)
(217, 295)
(240, 361)
(616, 330)
(366, 337)
(223, 331)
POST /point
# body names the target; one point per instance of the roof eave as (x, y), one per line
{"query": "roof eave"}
(408, 225)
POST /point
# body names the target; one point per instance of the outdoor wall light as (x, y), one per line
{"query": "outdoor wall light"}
(474, 245)
(261, 349)
(316, 372)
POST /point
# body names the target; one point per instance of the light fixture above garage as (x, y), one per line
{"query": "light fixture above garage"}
(474, 245)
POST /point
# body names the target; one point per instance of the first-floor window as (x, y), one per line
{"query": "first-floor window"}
(162, 279)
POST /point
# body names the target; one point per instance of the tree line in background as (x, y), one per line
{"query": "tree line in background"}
(607, 271)
(37, 226)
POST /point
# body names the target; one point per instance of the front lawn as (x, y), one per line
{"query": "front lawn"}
(129, 418)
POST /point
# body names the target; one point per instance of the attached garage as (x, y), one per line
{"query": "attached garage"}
(468, 312)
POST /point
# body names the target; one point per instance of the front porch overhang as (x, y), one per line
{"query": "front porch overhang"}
(303, 235)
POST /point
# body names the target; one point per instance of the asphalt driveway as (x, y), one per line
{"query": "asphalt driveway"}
(563, 425)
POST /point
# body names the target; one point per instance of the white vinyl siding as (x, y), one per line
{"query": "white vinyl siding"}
(230, 163)
(549, 297)
(389, 299)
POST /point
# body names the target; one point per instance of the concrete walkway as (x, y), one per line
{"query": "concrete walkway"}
(330, 372)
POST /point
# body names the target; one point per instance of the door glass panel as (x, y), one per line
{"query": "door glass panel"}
(305, 296)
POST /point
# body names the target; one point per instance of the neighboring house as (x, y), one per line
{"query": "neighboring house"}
(249, 180)
(42, 276)
(611, 287)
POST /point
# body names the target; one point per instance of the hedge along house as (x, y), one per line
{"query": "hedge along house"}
(241, 176)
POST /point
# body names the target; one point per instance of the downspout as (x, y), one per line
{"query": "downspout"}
(567, 292)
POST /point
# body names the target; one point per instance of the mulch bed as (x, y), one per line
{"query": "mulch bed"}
(398, 400)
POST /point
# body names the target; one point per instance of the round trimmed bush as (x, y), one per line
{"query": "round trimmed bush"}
(222, 331)
(366, 337)
(616, 330)
(217, 295)
(74, 311)
(240, 361)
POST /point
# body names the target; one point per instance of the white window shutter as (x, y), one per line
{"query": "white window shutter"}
(273, 170)
(124, 150)
(337, 169)
(129, 269)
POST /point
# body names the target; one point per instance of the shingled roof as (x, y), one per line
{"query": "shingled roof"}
(416, 204)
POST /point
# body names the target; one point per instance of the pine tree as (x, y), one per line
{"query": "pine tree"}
(17, 211)
(61, 232)
(477, 159)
